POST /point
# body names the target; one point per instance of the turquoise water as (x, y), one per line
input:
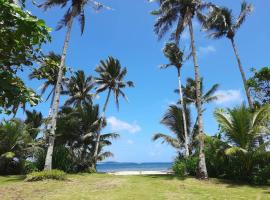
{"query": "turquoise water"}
(117, 166)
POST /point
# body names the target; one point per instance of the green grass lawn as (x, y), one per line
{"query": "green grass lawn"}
(109, 187)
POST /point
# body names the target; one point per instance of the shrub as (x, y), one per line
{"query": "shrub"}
(262, 176)
(62, 159)
(191, 165)
(46, 174)
(29, 167)
(91, 170)
(179, 168)
(183, 166)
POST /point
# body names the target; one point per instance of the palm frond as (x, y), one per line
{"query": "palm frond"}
(168, 139)
(245, 10)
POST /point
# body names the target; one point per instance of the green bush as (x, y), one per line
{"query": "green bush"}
(192, 165)
(46, 174)
(179, 168)
(29, 167)
(262, 176)
(183, 166)
(62, 159)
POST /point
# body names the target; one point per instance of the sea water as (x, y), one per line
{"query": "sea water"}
(128, 166)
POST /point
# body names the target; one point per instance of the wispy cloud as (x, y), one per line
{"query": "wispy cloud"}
(207, 49)
(118, 125)
(130, 141)
(228, 96)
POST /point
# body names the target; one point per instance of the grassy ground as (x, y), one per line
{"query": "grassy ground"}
(109, 187)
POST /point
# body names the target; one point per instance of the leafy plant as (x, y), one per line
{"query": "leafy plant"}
(45, 175)
(259, 84)
(179, 168)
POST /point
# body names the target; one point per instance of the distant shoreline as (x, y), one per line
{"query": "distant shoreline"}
(144, 172)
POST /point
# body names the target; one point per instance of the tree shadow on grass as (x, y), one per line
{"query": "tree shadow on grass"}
(165, 177)
(239, 184)
(11, 179)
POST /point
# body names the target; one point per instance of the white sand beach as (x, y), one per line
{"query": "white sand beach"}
(127, 173)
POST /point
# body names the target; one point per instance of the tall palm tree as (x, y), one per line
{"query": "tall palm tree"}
(111, 78)
(179, 14)
(221, 23)
(176, 58)
(79, 89)
(173, 119)
(242, 128)
(48, 72)
(76, 9)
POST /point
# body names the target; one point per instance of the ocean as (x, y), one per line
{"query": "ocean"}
(127, 166)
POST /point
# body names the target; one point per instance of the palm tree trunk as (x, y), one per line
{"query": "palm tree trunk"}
(100, 127)
(202, 171)
(48, 160)
(49, 115)
(250, 100)
(183, 113)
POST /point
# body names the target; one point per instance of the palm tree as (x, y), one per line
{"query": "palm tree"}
(14, 141)
(189, 92)
(175, 56)
(76, 9)
(77, 130)
(34, 120)
(111, 78)
(242, 128)
(173, 119)
(78, 89)
(221, 23)
(179, 14)
(48, 71)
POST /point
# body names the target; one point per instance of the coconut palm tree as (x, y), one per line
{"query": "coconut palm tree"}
(176, 58)
(242, 128)
(79, 89)
(111, 77)
(77, 130)
(76, 9)
(34, 120)
(220, 22)
(173, 120)
(189, 92)
(179, 14)
(48, 72)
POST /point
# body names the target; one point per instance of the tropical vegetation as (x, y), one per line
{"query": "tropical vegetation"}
(72, 137)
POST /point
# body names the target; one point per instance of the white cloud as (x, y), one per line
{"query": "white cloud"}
(118, 125)
(130, 141)
(206, 50)
(228, 96)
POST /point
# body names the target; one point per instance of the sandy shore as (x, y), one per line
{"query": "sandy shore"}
(126, 173)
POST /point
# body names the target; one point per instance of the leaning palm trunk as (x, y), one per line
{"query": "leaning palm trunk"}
(49, 115)
(202, 171)
(51, 105)
(250, 100)
(100, 127)
(48, 160)
(183, 114)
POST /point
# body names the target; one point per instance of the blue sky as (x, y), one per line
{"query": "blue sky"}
(126, 32)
